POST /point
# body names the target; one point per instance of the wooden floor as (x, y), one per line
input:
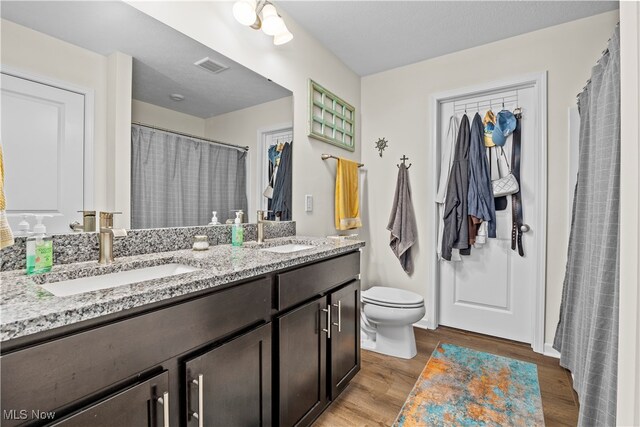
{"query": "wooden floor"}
(377, 393)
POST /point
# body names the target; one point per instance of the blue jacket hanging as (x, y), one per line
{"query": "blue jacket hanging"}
(480, 202)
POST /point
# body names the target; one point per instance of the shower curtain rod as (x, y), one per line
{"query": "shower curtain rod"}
(329, 156)
(213, 141)
(604, 52)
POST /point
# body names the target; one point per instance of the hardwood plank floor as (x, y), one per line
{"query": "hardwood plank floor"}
(377, 393)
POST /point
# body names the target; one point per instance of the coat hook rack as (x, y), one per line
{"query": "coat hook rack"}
(404, 161)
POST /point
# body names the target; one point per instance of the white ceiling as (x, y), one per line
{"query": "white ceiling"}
(374, 36)
(163, 57)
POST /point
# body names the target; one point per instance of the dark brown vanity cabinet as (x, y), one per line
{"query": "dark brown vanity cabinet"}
(319, 340)
(231, 384)
(145, 404)
(303, 364)
(344, 345)
(273, 350)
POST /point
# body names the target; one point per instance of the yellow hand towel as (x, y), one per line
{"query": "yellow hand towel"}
(347, 200)
(6, 236)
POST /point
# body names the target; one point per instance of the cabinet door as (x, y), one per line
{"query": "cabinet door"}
(303, 374)
(140, 405)
(345, 336)
(231, 384)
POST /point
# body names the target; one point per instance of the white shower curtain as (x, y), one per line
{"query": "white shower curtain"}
(177, 181)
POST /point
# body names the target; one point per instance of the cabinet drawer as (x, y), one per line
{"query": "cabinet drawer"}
(303, 283)
(57, 373)
(135, 406)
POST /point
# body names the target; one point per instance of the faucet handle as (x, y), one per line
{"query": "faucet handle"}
(106, 218)
(108, 215)
(261, 213)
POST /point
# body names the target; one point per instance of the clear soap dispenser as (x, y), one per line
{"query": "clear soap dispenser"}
(39, 249)
(214, 218)
(237, 231)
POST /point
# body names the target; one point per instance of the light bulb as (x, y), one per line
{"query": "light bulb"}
(282, 38)
(245, 11)
(272, 24)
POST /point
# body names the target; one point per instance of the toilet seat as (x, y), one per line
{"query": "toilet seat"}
(392, 297)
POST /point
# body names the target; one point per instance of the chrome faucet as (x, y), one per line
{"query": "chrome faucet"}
(88, 222)
(260, 225)
(107, 234)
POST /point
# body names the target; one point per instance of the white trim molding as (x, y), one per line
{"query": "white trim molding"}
(550, 351)
(628, 410)
(539, 82)
(261, 159)
(423, 323)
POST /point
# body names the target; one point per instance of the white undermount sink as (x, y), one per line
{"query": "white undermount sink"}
(112, 280)
(287, 249)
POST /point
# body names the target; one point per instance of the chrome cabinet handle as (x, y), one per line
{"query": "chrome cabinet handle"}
(328, 330)
(164, 401)
(199, 415)
(339, 324)
(525, 228)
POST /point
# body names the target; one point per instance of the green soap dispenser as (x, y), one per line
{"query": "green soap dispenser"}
(237, 231)
(39, 249)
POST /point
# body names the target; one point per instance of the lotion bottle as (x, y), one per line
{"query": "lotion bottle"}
(237, 231)
(39, 249)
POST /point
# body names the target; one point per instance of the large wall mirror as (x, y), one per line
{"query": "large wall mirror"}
(104, 108)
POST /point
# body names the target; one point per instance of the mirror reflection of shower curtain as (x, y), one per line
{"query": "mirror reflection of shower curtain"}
(177, 181)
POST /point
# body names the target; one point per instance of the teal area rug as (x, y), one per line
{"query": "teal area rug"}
(464, 387)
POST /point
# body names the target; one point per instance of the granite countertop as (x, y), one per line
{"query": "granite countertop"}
(27, 308)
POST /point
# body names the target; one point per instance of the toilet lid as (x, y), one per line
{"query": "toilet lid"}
(392, 297)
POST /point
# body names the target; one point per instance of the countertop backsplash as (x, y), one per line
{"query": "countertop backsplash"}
(81, 247)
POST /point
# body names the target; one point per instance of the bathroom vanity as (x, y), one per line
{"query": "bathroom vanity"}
(250, 338)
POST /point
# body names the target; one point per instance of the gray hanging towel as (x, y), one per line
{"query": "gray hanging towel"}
(402, 222)
(456, 223)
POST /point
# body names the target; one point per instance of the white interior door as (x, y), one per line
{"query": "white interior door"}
(44, 169)
(492, 291)
(269, 139)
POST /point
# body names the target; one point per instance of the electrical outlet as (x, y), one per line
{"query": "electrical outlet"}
(308, 203)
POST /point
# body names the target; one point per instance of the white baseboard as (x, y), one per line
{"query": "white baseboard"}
(550, 351)
(422, 323)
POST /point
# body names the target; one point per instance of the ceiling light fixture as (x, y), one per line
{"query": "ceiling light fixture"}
(262, 14)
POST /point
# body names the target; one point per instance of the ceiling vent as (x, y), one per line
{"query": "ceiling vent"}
(210, 65)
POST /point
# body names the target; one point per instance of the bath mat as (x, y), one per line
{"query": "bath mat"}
(464, 387)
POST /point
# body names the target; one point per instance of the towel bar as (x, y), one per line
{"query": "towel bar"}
(329, 156)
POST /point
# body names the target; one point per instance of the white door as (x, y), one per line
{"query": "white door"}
(269, 139)
(43, 144)
(492, 291)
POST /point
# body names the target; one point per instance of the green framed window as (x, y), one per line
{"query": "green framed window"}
(331, 119)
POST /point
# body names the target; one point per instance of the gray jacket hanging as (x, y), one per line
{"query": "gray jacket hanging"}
(480, 197)
(456, 223)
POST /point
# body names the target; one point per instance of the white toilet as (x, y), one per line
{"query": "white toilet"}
(388, 315)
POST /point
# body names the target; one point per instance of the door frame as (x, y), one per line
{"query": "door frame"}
(89, 96)
(539, 82)
(261, 157)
